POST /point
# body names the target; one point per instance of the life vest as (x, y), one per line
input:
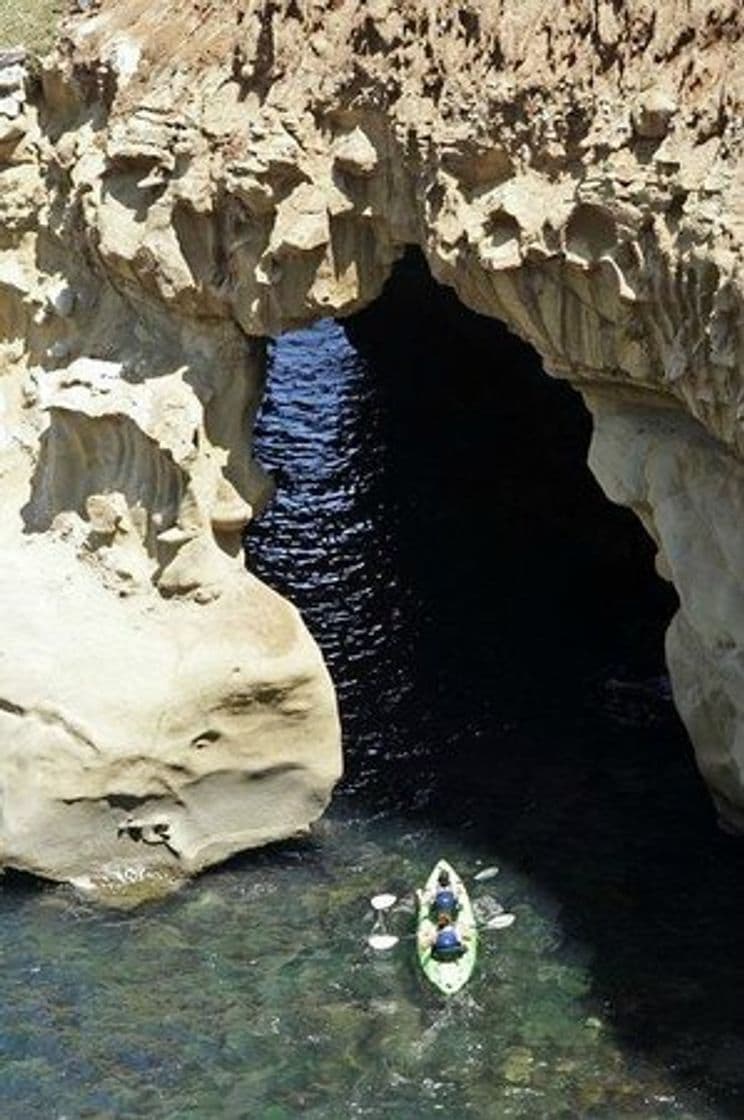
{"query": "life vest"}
(445, 902)
(447, 940)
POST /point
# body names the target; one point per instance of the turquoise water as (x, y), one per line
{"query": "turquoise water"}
(253, 994)
(495, 631)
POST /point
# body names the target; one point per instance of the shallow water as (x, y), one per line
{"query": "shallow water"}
(254, 994)
(495, 632)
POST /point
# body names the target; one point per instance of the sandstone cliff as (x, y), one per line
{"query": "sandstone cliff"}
(182, 180)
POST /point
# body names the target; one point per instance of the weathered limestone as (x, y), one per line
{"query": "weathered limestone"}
(186, 179)
(142, 737)
(160, 709)
(688, 491)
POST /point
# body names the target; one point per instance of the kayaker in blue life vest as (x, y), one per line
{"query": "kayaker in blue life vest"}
(447, 944)
(445, 901)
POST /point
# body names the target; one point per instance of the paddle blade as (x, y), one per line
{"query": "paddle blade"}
(382, 940)
(383, 901)
(501, 921)
(485, 874)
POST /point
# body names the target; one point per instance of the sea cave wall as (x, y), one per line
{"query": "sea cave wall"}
(181, 181)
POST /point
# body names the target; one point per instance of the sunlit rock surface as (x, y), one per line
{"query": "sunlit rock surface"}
(184, 179)
(160, 708)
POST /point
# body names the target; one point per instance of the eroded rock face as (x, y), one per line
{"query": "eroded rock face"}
(185, 179)
(160, 708)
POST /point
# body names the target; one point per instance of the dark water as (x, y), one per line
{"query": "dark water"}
(495, 630)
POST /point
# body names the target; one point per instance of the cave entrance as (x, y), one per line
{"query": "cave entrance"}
(493, 624)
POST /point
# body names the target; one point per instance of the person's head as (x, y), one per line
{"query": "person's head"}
(444, 919)
(444, 879)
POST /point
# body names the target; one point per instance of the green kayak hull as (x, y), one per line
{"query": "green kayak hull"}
(447, 976)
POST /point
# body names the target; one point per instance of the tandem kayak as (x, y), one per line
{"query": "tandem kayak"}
(446, 975)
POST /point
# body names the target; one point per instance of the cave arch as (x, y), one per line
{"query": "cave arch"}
(440, 434)
(644, 451)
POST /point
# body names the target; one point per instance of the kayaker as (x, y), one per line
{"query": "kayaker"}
(447, 942)
(445, 900)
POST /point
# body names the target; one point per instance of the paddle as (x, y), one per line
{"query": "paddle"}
(485, 874)
(381, 941)
(379, 938)
(500, 921)
(383, 901)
